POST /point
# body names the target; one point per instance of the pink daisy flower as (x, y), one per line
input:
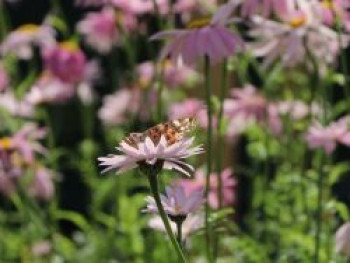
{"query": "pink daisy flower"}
(229, 184)
(176, 202)
(21, 41)
(202, 38)
(331, 9)
(65, 61)
(327, 137)
(168, 156)
(99, 30)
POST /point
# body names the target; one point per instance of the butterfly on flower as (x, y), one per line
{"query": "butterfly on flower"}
(173, 131)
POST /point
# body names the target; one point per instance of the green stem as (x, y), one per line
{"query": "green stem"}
(208, 94)
(153, 181)
(3, 22)
(159, 80)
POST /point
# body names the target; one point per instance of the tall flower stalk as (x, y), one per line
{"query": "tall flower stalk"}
(208, 95)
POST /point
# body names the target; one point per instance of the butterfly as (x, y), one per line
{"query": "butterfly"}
(173, 131)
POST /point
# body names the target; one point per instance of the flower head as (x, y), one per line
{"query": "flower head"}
(327, 137)
(166, 152)
(332, 10)
(100, 30)
(204, 37)
(198, 183)
(65, 61)
(192, 223)
(20, 41)
(176, 202)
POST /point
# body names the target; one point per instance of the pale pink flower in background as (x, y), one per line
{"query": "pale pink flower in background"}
(140, 7)
(342, 240)
(192, 223)
(202, 38)
(188, 108)
(248, 102)
(229, 184)
(169, 156)
(4, 79)
(26, 142)
(41, 248)
(266, 8)
(172, 75)
(300, 29)
(99, 30)
(333, 9)
(21, 41)
(177, 202)
(49, 89)
(65, 61)
(42, 186)
(117, 107)
(16, 107)
(327, 137)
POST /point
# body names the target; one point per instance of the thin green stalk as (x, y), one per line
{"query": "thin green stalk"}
(153, 181)
(160, 85)
(208, 95)
(3, 21)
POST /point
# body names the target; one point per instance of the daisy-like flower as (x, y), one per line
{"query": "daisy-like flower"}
(250, 8)
(193, 223)
(300, 31)
(173, 76)
(176, 202)
(336, 9)
(100, 30)
(65, 61)
(21, 40)
(163, 154)
(342, 240)
(205, 37)
(327, 137)
(229, 184)
(16, 107)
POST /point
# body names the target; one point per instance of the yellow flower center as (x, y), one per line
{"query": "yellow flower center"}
(297, 21)
(327, 4)
(28, 28)
(69, 46)
(5, 143)
(199, 23)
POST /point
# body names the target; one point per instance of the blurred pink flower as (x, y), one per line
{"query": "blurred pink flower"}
(327, 137)
(21, 40)
(332, 9)
(25, 141)
(4, 79)
(247, 102)
(42, 186)
(192, 223)
(342, 240)
(250, 8)
(117, 107)
(16, 107)
(288, 40)
(169, 156)
(41, 248)
(188, 108)
(202, 38)
(100, 30)
(177, 202)
(49, 89)
(229, 184)
(65, 61)
(173, 76)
